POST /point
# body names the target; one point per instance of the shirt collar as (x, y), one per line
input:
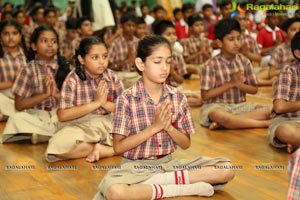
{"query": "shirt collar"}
(103, 76)
(268, 28)
(138, 90)
(20, 52)
(51, 64)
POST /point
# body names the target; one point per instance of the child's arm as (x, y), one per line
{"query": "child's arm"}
(283, 106)
(22, 103)
(6, 85)
(236, 79)
(130, 59)
(252, 56)
(273, 71)
(123, 144)
(179, 79)
(100, 100)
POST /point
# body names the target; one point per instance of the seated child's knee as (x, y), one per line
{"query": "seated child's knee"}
(217, 115)
(227, 173)
(285, 131)
(115, 191)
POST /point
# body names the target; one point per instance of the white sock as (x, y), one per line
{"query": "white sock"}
(165, 191)
(176, 177)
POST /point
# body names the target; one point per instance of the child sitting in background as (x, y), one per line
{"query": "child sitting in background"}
(282, 54)
(197, 48)
(178, 68)
(36, 90)
(225, 80)
(13, 53)
(284, 128)
(87, 99)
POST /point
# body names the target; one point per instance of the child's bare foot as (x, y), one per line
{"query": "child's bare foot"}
(213, 126)
(100, 151)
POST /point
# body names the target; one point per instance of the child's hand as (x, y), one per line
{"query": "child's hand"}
(244, 49)
(48, 85)
(131, 55)
(277, 41)
(163, 117)
(237, 78)
(100, 94)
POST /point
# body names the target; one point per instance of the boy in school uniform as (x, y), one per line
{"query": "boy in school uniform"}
(84, 29)
(285, 125)
(182, 28)
(270, 36)
(225, 80)
(70, 35)
(282, 55)
(122, 51)
(196, 48)
(249, 46)
(294, 171)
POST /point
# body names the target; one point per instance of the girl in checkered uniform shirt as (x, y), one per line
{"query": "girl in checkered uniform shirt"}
(36, 89)
(12, 57)
(86, 106)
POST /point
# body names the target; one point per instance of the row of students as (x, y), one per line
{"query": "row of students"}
(42, 94)
(87, 96)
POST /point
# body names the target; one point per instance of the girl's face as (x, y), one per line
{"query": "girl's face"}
(156, 67)
(46, 46)
(96, 60)
(170, 35)
(10, 36)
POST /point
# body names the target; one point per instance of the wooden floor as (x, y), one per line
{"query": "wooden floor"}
(248, 149)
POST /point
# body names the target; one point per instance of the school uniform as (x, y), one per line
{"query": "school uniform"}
(9, 68)
(216, 72)
(286, 87)
(92, 128)
(281, 56)
(191, 45)
(294, 171)
(41, 119)
(119, 50)
(267, 36)
(67, 48)
(246, 38)
(135, 111)
(179, 67)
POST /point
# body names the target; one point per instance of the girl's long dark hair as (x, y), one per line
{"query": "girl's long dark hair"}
(64, 67)
(14, 23)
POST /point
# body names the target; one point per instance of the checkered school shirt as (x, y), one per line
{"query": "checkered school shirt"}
(135, 111)
(251, 43)
(287, 86)
(10, 65)
(294, 169)
(179, 67)
(191, 46)
(281, 56)
(31, 81)
(118, 51)
(218, 71)
(76, 92)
